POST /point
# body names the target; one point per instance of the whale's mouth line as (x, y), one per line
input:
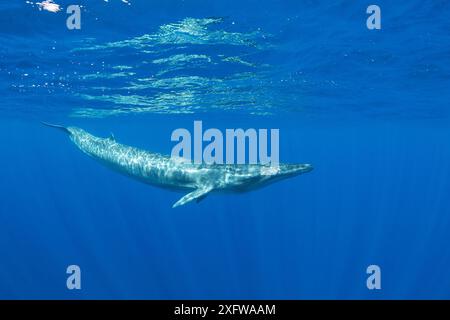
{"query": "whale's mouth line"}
(299, 169)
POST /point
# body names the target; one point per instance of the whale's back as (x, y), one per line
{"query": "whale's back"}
(148, 167)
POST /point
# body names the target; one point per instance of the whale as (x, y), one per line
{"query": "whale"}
(197, 181)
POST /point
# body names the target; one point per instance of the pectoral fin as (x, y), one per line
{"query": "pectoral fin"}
(198, 195)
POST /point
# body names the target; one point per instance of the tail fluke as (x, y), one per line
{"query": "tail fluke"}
(56, 126)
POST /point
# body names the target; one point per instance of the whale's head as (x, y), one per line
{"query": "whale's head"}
(284, 171)
(291, 170)
(269, 174)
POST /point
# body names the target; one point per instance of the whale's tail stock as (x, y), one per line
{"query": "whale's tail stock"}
(55, 126)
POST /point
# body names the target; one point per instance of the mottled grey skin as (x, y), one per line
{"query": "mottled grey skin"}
(176, 174)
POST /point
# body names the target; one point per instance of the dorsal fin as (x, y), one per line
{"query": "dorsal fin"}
(111, 137)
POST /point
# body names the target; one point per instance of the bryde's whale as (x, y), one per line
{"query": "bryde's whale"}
(166, 172)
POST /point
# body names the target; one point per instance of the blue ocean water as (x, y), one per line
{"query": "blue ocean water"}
(368, 108)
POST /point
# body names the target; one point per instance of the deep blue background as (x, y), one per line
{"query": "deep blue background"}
(369, 109)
